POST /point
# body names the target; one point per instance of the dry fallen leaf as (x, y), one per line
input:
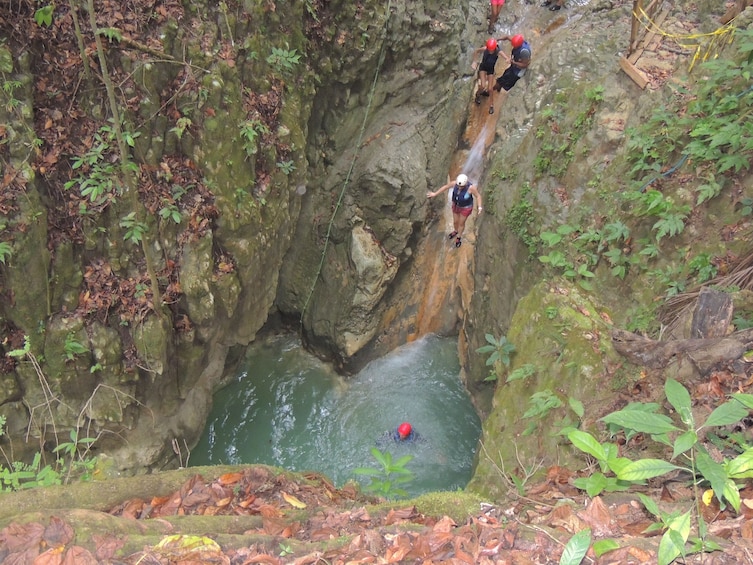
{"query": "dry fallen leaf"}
(292, 500)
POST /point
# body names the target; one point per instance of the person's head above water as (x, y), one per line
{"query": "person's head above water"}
(462, 180)
(404, 430)
(491, 44)
(517, 40)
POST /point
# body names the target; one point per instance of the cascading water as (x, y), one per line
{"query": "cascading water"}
(288, 409)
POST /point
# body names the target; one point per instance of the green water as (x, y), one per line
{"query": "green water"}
(286, 408)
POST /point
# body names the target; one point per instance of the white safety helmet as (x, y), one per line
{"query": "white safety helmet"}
(462, 180)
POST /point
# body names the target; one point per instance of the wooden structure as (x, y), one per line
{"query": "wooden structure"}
(640, 38)
(735, 10)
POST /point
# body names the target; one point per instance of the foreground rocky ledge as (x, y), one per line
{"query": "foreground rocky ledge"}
(259, 514)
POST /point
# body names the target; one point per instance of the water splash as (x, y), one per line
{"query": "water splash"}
(474, 161)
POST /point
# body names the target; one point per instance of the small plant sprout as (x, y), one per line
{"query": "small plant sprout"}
(181, 126)
(285, 59)
(386, 480)
(135, 230)
(250, 131)
(500, 350)
(72, 347)
(286, 167)
(5, 252)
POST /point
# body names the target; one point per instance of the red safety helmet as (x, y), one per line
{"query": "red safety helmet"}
(517, 40)
(491, 44)
(404, 429)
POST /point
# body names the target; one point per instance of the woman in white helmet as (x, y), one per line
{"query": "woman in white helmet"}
(463, 195)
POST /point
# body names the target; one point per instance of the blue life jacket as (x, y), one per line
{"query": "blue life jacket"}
(461, 197)
(516, 56)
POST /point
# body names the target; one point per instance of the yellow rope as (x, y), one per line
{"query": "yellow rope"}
(715, 39)
(350, 170)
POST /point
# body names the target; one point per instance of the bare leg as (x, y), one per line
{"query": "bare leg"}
(494, 17)
(484, 80)
(459, 221)
(456, 223)
(490, 83)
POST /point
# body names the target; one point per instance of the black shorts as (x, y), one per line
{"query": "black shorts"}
(486, 69)
(508, 79)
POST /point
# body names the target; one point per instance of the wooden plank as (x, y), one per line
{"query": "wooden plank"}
(651, 8)
(648, 38)
(635, 55)
(634, 27)
(653, 38)
(735, 10)
(637, 75)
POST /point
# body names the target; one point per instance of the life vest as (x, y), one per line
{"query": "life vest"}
(489, 60)
(516, 52)
(461, 197)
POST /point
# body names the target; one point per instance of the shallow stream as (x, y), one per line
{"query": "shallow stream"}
(286, 408)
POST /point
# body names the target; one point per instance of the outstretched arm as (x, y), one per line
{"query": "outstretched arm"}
(439, 190)
(476, 196)
(476, 53)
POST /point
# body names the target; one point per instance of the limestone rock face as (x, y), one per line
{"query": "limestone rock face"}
(367, 105)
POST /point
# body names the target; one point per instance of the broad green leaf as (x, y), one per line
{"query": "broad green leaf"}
(587, 443)
(611, 449)
(662, 438)
(655, 527)
(684, 442)
(646, 469)
(641, 421)
(593, 485)
(728, 413)
(401, 462)
(673, 541)
(741, 467)
(576, 406)
(746, 399)
(679, 397)
(43, 16)
(650, 504)
(713, 472)
(576, 548)
(384, 459)
(605, 546)
(617, 464)
(616, 485)
(732, 494)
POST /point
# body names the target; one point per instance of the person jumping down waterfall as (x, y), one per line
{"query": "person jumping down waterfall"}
(463, 194)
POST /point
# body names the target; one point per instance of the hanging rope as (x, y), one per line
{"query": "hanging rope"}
(350, 170)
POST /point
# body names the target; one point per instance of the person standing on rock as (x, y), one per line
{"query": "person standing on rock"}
(489, 55)
(519, 60)
(496, 8)
(463, 195)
